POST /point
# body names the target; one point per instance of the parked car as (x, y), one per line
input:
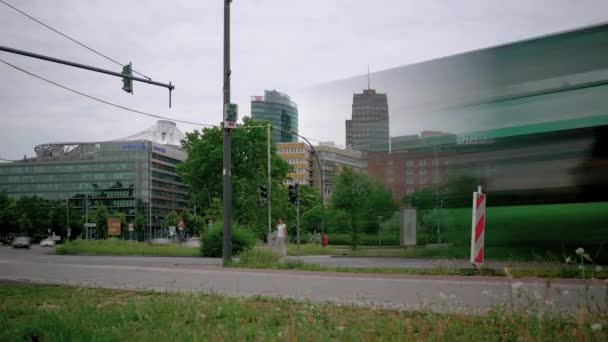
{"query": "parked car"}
(21, 242)
(47, 243)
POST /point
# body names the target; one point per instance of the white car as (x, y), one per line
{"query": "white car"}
(47, 243)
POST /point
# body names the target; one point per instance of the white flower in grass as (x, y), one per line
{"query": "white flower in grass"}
(580, 251)
(340, 329)
(443, 296)
(596, 326)
(568, 260)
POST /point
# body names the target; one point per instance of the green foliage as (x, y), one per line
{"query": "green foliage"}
(52, 313)
(119, 247)
(140, 223)
(366, 202)
(172, 219)
(99, 216)
(202, 171)
(258, 258)
(212, 241)
(311, 220)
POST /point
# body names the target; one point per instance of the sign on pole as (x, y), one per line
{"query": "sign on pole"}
(181, 225)
(171, 230)
(90, 225)
(130, 227)
(113, 226)
(478, 227)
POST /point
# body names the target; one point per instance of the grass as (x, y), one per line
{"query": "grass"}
(81, 314)
(261, 258)
(119, 247)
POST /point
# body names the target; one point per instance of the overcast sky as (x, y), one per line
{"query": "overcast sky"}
(284, 45)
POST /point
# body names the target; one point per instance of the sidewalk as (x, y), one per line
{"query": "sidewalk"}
(418, 263)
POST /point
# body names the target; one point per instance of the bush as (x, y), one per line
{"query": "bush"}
(213, 240)
(388, 239)
(258, 257)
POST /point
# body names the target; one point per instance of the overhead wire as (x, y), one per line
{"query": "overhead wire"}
(70, 38)
(104, 101)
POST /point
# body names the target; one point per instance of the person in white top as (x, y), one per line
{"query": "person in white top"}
(282, 236)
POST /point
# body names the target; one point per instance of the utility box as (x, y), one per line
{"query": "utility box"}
(408, 227)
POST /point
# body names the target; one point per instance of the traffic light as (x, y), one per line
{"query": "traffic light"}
(263, 193)
(127, 83)
(293, 194)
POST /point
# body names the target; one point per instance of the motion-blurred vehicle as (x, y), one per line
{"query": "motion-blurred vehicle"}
(21, 242)
(48, 242)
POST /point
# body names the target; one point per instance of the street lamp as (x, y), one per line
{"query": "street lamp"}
(321, 177)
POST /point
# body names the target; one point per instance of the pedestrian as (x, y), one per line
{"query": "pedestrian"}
(282, 237)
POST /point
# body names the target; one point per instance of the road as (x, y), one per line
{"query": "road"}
(469, 294)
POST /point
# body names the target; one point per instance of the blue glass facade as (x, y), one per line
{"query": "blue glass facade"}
(277, 109)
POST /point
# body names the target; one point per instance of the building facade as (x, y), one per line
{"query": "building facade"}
(280, 111)
(136, 177)
(333, 160)
(298, 155)
(368, 129)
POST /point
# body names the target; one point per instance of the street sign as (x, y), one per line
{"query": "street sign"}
(113, 226)
(90, 225)
(181, 225)
(130, 227)
(478, 227)
(171, 230)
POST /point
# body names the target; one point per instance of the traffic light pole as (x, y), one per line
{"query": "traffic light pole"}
(83, 66)
(298, 223)
(269, 184)
(227, 147)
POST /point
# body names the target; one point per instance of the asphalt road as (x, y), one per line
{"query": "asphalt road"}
(471, 294)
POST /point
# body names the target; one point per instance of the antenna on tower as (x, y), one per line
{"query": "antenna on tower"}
(368, 87)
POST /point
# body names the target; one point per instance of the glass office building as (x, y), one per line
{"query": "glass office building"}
(280, 111)
(136, 177)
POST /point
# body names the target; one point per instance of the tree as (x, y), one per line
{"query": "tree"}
(172, 219)
(350, 193)
(311, 220)
(99, 216)
(202, 172)
(8, 216)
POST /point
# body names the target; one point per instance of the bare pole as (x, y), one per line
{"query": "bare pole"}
(227, 146)
(268, 135)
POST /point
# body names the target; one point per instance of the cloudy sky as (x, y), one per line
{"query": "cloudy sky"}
(288, 45)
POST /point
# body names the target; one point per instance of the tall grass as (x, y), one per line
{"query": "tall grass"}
(79, 314)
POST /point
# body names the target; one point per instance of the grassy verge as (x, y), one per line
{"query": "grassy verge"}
(261, 258)
(64, 313)
(118, 247)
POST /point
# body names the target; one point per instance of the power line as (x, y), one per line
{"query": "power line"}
(70, 38)
(104, 101)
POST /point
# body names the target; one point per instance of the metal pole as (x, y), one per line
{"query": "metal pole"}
(298, 219)
(67, 205)
(82, 66)
(269, 185)
(227, 252)
(322, 181)
(150, 193)
(86, 205)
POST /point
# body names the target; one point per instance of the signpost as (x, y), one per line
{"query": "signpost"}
(87, 226)
(171, 230)
(478, 228)
(113, 226)
(130, 231)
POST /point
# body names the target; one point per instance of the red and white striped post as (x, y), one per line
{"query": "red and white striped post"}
(478, 227)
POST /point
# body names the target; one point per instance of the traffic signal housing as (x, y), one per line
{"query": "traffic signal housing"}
(263, 193)
(293, 194)
(127, 83)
